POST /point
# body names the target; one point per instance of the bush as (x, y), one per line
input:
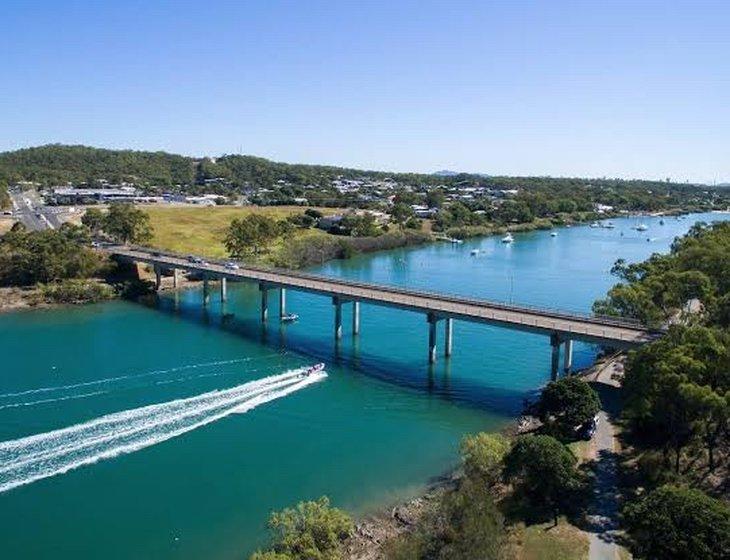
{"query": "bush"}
(482, 456)
(75, 291)
(311, 531)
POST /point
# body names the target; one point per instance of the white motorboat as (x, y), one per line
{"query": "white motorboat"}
(316, 368)
(508, 238)
(553, 234)
(642, 227)
(474, 252)
(289, 318)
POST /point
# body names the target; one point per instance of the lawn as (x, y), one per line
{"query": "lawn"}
(545, 542)
(200, 230)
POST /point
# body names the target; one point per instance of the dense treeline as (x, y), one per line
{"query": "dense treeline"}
(676, 394)
(59, 164)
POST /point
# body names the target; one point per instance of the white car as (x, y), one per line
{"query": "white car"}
(232, 266)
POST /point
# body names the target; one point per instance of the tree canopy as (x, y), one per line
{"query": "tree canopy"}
(565, 404)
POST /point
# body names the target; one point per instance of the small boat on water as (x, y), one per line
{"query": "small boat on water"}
(609, 225)
(456, 241)
(289, 318)
(316, 368)
(661, 222)
(595, 225)
(474, 252)
(642, 227)
(508, 238)
(553, 234)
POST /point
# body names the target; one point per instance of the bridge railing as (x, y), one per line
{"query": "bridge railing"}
(606, 320)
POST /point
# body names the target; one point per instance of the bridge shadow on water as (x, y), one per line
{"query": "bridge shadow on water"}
(435, 380)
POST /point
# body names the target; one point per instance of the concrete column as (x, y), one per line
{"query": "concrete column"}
(282, 302)
(206, 291)
(175, 277)
(449, 337)
(432, 321)
(355, 317)
(568, 356)
(264, 302)
(224, 289)
(158, 278)
(338, 317)
(555, 361)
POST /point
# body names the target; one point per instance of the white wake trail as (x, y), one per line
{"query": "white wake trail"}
(32, 458)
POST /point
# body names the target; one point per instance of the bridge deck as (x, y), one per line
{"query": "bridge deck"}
(588, 328)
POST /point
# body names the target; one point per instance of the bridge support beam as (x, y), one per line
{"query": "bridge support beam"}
(224, 289)
(568, 356)
(264, 302)
(338, 317)
(158, 278)
(206, 291)
(555, 359)
(432, 323)
(449, 337)
(282, 302)
(355, 318)
(175, 277)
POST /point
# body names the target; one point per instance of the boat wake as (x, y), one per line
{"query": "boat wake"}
(32, 458)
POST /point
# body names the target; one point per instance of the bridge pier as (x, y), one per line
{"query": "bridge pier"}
(355, 318)
(264, 302)
(432, 322)
(282, 302)
(568, 356)
(175, 277)
(338, 317)
(158, 278)
(449, 337)
(206, 291)
(555, 361)
(224, 289)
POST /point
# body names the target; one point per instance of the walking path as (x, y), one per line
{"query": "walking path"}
(603, 514)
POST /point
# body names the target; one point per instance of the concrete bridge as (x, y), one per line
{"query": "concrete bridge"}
(562, 328)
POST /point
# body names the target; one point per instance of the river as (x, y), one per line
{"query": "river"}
(87, 472)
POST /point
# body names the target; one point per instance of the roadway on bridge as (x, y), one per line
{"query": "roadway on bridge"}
(587, 328)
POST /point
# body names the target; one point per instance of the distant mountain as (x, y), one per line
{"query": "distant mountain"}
(445, 173)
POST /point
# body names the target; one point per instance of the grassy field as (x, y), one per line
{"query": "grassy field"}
(200, 230)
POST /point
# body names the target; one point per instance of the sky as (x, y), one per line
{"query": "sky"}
(593, 88)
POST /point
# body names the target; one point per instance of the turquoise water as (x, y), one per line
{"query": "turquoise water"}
(373, 431)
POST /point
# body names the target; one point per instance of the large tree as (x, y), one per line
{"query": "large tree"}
(127, 223)
(250, 234)
(675, 523)
(543, 470)
(567, 403)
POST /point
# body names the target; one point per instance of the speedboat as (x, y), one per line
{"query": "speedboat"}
(289, 318)
(609, 225)
(508, 238)
(642, 227)
(316, 368)
(595, 225)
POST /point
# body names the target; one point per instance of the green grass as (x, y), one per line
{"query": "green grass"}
(201, 230)
(545, 542)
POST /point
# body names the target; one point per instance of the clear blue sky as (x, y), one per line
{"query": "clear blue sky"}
(592, 88)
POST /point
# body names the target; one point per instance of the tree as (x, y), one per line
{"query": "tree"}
(94, 219)
(401, 213)
(312, 531)
(482, 456)
(676, 523)
(566, 404)
(127, 224)
(435, 198)
(250, 233)
(544, 471)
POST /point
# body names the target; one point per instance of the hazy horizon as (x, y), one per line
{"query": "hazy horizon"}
(562, 89)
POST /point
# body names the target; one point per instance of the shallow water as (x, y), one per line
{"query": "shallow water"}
(195, 474)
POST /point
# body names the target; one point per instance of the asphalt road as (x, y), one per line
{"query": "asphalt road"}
(29, 209)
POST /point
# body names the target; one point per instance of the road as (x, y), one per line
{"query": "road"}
(29, 209)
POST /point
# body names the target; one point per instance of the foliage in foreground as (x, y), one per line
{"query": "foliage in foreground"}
(123, 222)
(675, 523)
(311, 531)
(30, 257)
(75, 291)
